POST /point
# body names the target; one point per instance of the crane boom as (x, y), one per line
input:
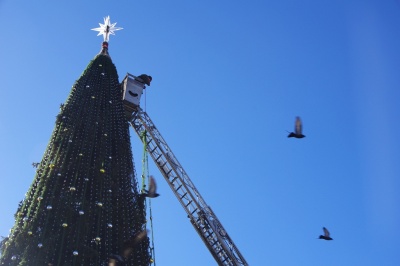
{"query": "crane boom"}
(200, 214)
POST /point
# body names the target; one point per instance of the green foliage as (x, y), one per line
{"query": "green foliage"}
(82, 204)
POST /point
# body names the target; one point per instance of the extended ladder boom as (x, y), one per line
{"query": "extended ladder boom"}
(200, 214)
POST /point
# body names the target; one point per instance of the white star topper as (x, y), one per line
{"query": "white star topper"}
(106, 29)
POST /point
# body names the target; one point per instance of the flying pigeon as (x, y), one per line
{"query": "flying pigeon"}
(151, 193)
(298, 128)
(127, 249)
(326, 235)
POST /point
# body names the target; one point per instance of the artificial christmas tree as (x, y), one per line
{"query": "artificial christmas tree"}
(83, 206)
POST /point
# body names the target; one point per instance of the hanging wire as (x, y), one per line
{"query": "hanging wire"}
(144, 163)
(145, 173)
(153, 259)
(145, 100)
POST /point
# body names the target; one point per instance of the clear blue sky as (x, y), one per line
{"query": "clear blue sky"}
(229, 77)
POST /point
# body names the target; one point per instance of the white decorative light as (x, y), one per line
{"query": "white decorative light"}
(106, 29)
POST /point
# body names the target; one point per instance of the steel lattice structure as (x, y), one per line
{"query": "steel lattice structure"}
(200, 214)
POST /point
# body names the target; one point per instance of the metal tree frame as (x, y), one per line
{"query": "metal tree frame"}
(200, 214)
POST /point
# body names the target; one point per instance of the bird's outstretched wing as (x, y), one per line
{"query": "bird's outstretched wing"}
(326, 232)
(152, 186)
(139, 237)
(127, 249)
(112, 262)
(298, 128)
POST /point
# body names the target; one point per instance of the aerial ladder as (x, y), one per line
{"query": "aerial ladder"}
(202, 217)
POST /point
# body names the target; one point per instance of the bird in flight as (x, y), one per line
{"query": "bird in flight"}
(127, 249)
(151, 193)
(298, 130)
(326, 235)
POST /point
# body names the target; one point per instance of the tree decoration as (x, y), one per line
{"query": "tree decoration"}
(106, 29)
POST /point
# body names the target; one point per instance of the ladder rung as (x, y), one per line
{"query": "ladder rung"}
(158, 157)
(183, 195)
(214, 243)
(178, 187)
(190, 201)
(209, 235)
(225, 258)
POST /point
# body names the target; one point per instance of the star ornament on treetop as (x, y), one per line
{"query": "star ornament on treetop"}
(107, 28)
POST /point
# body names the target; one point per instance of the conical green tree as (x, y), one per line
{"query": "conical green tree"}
(83, 204)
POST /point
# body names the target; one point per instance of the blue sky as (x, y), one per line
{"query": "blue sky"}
(228, 80)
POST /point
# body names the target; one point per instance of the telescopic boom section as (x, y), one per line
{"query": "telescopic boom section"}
(200, 214)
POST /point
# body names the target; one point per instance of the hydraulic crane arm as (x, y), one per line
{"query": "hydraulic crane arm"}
(200, 214)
